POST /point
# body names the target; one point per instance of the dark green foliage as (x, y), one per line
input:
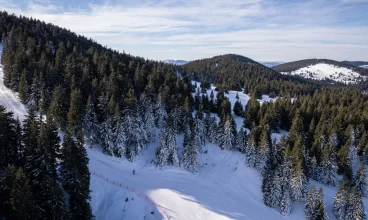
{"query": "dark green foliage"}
(75, 177)
(21, 198)
(9, 136)
(75, 114)
(251, 114)
(232, 72)
(238, 108)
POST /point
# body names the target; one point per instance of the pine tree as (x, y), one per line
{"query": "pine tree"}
(238, 109)
(321, 210)
(270, 189)
(299, 184)
(160, 115)
(360, 181)
(311, 205)
(21, 198)
(166, 152)
(75, 177)
(340, 200)
(328, 168)
(354, 206)
(23, 89)
(226, 139)
(346, 159)
(242, 140)
(58, 107)
(264, 151)
(75, 114)
(90, 124)
(285, 204)
(189, 160)
(108, 136)
(7, 176)
(199, 133)
(149, 124)
(251, 152)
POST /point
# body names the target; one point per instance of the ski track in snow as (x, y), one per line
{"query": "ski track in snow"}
(223, 189)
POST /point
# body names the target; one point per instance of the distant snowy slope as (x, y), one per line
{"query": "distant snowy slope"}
(322, 71)
(176, 62)
(364, 66)
(271, 64)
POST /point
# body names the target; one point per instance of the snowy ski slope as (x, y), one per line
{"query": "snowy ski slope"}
(8, 98)
(323, 71)
(223, 189)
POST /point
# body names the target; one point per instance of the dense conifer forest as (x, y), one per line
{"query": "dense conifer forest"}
(78, 88)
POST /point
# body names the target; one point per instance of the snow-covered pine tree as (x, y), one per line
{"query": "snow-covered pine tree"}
(136, 136)
(351, 141)
(149, 124)
(212, 130)
(285, 203)
(321, 210)
(299, 184)
(121, 139)
(108, 136)
(167, 150)
(160, 115)
(270, 189)
(35, 95)
(340, 200)
(365, 155)
(283, 179)
(310, 207)
(251, 152)
(90, 124)
(354, 206)
(226, 139)
(189, 160)
(171, 144)
(102, 106)
(162, 151)
(360, 180)
(264, 149)
(327, 172)
(199, 132)
(242, 140)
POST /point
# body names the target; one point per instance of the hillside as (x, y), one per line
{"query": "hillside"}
(235, 72)
(272, 64)
(322, 69)
(177, 193)
(116, 136)
(176, 62)
(357, 63)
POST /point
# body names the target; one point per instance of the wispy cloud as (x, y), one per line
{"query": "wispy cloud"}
(259, 29)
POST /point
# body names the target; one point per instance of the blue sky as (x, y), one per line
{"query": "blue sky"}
(264, 30)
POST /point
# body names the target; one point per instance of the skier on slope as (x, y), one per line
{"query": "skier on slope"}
(133, 171)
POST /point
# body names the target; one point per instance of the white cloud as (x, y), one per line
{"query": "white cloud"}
(262, 30)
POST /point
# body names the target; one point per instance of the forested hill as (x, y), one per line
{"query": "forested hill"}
(46, 64)
(292, 66)
(236, 72)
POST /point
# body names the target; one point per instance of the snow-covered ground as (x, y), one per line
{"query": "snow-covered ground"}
(323, 71)
(272, 64)
(176, 62)
(223, 189)
(9, 99)
(364, 66)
